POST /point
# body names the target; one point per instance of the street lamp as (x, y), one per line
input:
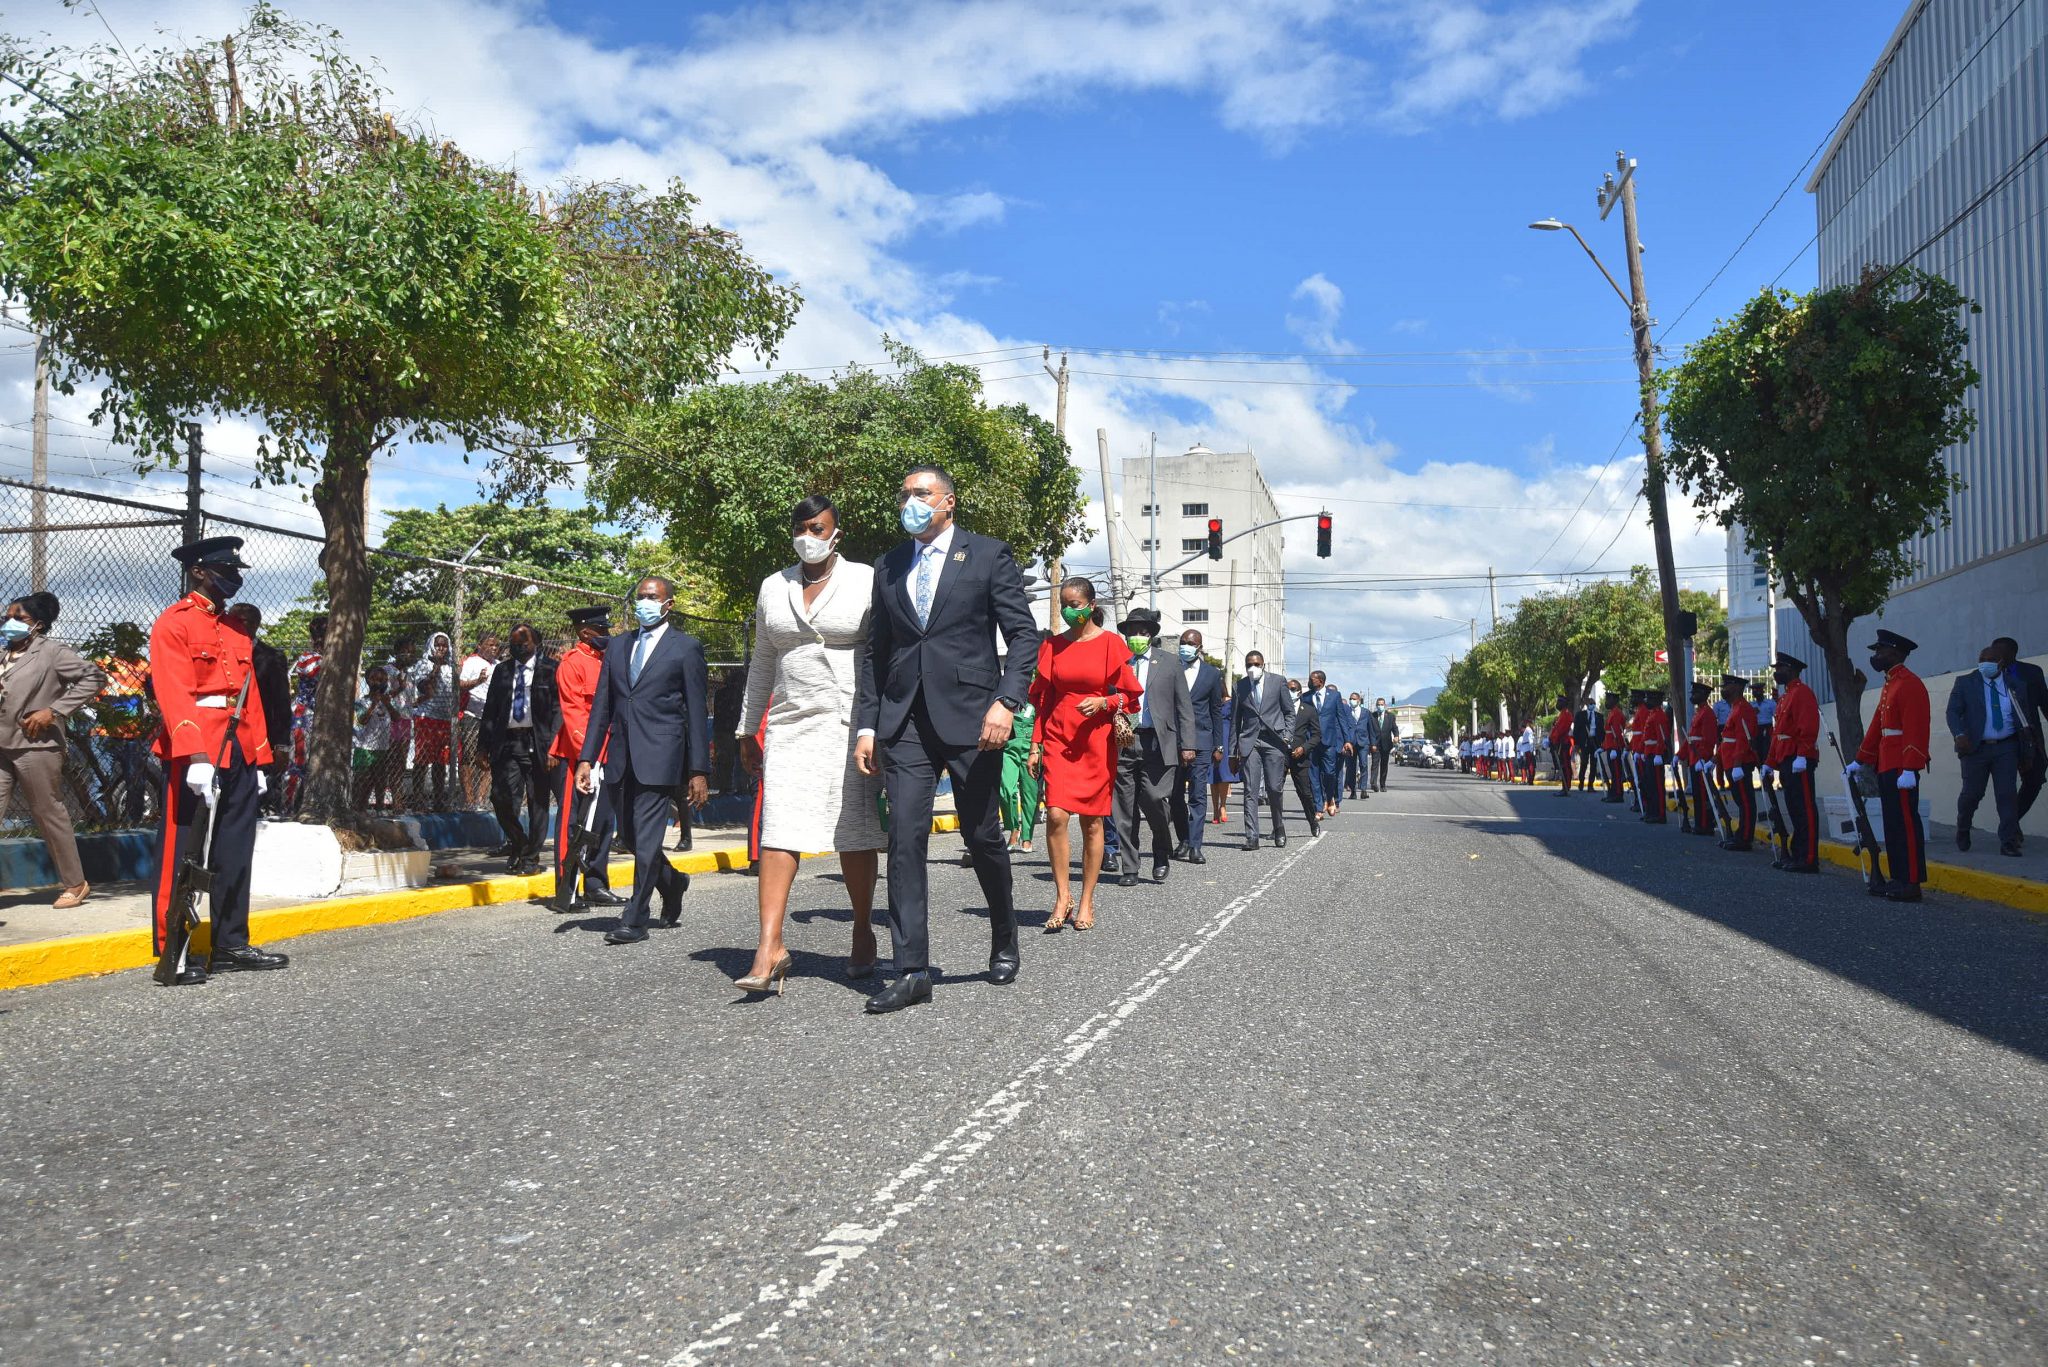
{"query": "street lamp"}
(1623, 192)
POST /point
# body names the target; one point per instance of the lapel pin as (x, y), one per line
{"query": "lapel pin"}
(959, 555)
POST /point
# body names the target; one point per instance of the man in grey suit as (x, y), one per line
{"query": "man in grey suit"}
(1191, 790)
(1147, 771)
(1261, 718)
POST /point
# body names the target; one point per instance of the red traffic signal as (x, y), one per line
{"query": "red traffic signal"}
(1215, 538)
(1323, 536)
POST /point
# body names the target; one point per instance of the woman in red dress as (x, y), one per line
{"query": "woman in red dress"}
(1084, 680)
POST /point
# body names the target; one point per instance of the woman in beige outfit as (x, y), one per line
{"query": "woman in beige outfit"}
(42, 682)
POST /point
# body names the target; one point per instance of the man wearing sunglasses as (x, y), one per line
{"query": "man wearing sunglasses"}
(935, 697)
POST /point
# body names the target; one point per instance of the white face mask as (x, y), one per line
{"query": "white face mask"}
(813, 551)
(1253, 672)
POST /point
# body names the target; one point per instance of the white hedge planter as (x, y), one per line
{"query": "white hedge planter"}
(300, 861)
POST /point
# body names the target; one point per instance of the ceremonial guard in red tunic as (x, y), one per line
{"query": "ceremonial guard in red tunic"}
(1795, 749)
(1895, 744)
(575, 687)
(1737, 756)
(1702, 738)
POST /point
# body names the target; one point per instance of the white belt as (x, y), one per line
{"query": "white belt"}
(1888, 731)
(219, 700)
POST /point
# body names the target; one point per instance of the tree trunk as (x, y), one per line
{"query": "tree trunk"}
(341, 495)
(1829, 627)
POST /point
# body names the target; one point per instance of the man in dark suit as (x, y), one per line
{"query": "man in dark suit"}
(1984, 716)
(2030, 690)
(1261, 719)
(518, 725)
(1384, 734)
(1148, 771)
(1191, 792)
(1333, 727)
(935, 696)
(1304, 741)
(273, 686)
(648, 721)
(1586, 741)
(1365, 738)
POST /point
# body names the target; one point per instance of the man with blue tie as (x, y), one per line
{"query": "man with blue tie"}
(521, 715)
(2029, 687)
(1326, 763)
(1984, 716)
(648, 722)
(1191, 794)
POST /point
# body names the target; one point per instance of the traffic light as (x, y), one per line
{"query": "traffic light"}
(1688, 624)
(1215, 538)
(1323, 536)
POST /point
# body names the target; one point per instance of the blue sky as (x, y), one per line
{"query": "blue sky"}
(1349, 181)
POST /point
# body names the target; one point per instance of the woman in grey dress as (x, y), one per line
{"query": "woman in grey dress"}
(810, 625)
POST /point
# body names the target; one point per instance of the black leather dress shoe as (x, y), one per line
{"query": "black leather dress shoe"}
(1251, 844)
(672, 907)
(1197, 857)
(908, 990)
(1002, 967)
(1963, 838)
(602, 897)
(1159, 873)
(625, 935)
(2010, 849)
(1903, 892)
(505, 850)
(244, 959)
(1184, 851)
(1127, 880)
(1877, 887)
(1280, 839)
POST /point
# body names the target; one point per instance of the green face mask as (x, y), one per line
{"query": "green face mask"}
(1076, 616)
(1139, 644)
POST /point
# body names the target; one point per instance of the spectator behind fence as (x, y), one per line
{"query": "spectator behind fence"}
(42, 682)
(124, 718)
(2030, 687)
(521, 714)
(305, 680)
(376, 773)
(273, 686)
(472, 681)
(433, 718)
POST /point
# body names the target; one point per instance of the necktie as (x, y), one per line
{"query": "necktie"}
(1997, 712)
(640, 649)
(924, 585)
(518, 692)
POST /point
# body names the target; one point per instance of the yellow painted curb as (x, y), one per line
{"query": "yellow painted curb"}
(85, 956)
(2023, 894)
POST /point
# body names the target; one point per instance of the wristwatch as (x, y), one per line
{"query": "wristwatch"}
(1013, 704)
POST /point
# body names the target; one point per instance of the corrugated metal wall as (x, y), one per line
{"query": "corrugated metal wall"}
(1896, 182)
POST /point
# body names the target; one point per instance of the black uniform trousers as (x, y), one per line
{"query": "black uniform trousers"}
(519, 780)
(1905, 837)
(1745, 805)
(1617, 761)
(573, 811)
(645, 810)
(1706, 817)
(1191, 798)
(1145, 777)
(1652, 776)
(235, 810)
(911, 762)
(1802, 813)
(1561, 756)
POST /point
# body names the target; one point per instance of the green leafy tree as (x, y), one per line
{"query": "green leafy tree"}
(1819, 425)
(1606, 629)
(245, 229)
(720, 468)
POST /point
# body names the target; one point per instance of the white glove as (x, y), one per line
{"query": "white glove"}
(199, 778)
(1853, 769)
(1736, 773)
(1799, 764)
(1908, 779)
(262, 783)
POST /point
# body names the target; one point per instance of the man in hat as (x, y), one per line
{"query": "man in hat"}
(1702, 739)
(1795, 749)
(1895, 745)
(201, 667)
(1613, 740)
(576, 675)
(1146, 772)
(1653, 748)
(1737, 755)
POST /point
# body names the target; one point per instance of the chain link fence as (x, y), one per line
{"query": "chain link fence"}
(107, 560)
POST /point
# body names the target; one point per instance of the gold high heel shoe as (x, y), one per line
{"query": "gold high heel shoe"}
(774, 980)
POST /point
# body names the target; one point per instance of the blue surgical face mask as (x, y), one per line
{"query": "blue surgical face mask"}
(1190, 654)
(1988, 668)
(14, 631)
(916, 516)
(648, 611)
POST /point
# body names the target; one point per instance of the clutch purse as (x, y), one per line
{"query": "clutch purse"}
(1124, 730)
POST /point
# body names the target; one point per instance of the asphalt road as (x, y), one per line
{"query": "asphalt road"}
(1482, 1076)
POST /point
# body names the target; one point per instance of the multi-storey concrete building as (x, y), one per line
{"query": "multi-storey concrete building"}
(1238, 603)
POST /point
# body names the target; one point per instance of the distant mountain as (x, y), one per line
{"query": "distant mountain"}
(1422, 697)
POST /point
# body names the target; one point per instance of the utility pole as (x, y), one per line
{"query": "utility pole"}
(1059, 425)
(1152, 529)
(1230, 625)
(195, 515)
(1109, 518)
(1310, 668)
(39, 473)
(1770, 612)
(1493, 597)
(1623, 192)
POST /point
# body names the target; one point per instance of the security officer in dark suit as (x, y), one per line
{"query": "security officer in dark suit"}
(2030, 690)
(520, 717)
(1191, 794)
(1302, 740)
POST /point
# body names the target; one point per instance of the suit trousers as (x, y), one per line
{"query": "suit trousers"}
(2032, 775)
(234, 816)
(1905, 836)
(1802, 813)
(572, 812)
(1330, 769)
(1260, 771)
(1145, 776)
(646, 809)
(1996, 761)
(911, 763)
(519, 779)
(1191, 798)
(1588, 762)
(1302, 771)
(1380, 755)
(39, 775)
(1354, 763)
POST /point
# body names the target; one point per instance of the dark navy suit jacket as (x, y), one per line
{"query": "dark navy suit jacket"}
(659, 727)
(1206, 694)
(1333, 718)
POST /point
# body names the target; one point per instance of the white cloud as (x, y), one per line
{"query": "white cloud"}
(1317, 325)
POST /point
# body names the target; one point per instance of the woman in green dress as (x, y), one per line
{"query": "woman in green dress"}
(1019, 793)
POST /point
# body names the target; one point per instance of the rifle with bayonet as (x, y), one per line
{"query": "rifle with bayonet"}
(1723, 818)
(1866, 838)
(195, 874)
(582, 844)
(1781, 838)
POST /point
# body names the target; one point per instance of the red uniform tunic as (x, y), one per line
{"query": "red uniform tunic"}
(197, 653)
(1654, 735)
(1561, 729)
(1703, 736)
(1897, 736)
(1795, 731)
(575, 687)
(1615, 736)
(1737, 749)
